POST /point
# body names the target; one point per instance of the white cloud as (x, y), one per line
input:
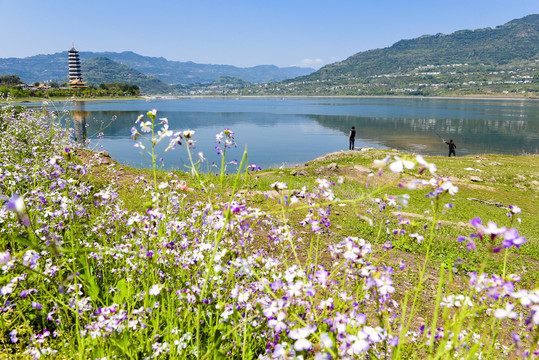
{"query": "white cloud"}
(312, 63)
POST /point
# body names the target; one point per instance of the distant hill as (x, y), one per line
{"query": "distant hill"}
(54, 67)
(490, 60)
(516, 40)
(176, 72)
(100, 70)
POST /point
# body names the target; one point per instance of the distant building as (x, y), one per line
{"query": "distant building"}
(77, 83)
(75, 76)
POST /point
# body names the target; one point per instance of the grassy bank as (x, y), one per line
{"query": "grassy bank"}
(354, 255)
(67, 99)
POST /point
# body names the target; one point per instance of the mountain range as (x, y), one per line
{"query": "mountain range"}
(504, 59)
(516, 40)
(55, 67)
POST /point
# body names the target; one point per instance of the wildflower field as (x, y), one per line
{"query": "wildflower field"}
(358, 255)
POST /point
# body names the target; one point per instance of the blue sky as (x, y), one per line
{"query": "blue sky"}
(240, 32)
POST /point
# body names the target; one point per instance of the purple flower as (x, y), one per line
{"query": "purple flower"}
(276, 285)
(25, 293)
(4, 257)
(514, 209)
(493, 229)
(476, 222)
(36, 305)
(16, 204)
(321, 276)
(512, 238)
(134, 133)
(13, 336)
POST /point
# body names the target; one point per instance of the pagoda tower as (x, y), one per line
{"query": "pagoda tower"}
(74, 64)
(75, 76)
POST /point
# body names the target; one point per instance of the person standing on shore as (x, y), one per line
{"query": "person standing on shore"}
(452, 147)
(352, 138)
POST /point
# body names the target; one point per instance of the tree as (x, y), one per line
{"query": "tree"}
(10, 80)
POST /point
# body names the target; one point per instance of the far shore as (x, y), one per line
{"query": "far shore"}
(471, 97)
(177, 97)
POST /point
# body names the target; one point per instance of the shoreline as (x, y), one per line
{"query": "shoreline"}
(460, 97)
(180, 97)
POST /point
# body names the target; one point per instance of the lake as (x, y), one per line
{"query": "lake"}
(292, 131)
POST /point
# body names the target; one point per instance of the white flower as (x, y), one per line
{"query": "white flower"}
(418, 237)
(146, 126)
(359, 344)
(323, 183)
(278, 185)
(403, 199)
(140, 145)
(385, 285)
(155, 289)
(526, 298)
(382, 163)
(296, 288)
(399, 165)
(535, 314)
(301, 335)
(351, 252)
(451, 189)
(272, 309)
(507, 312)
(279, 352)
(54, 160)
(162, 185)
(326, 341)
(278, 324)
(6, 290)
(422, 162)
(244, 296)
(188, 133)
(412, 185)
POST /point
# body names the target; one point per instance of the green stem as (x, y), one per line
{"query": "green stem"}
(505, 262)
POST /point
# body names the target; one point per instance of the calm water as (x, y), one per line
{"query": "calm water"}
(296, 130)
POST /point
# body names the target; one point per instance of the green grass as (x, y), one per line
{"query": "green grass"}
(507, 180)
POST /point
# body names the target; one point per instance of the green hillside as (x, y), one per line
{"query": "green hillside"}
(500, 60)
(100, 70)
(517, 40)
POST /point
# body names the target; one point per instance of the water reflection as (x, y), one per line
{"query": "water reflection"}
(296, 130)
(79, 122)
(419, 135)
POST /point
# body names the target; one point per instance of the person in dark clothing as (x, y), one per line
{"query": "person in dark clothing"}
(352, 138)
(452, 147)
